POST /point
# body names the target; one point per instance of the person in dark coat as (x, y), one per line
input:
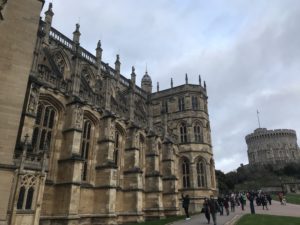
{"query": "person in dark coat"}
(185, 205)
(226, 205)
(214, 208)
(206, 210)
(221, 204)
(232, 204)
(251, 200)
(269, 198)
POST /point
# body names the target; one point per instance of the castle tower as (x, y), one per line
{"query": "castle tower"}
(147, 83)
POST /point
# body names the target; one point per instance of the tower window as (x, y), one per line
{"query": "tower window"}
(195, 103)
(165, 106)
(85, 145)
(198, 133)
(201, 174)
(185, 174)
(181, 104)
(183, 133)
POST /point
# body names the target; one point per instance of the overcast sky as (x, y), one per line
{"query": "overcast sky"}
(248, 51)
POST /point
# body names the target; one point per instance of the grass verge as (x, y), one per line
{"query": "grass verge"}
(258, 219)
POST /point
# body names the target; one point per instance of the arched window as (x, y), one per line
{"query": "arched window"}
(21, 198)
(185, 174)
(198, 133)
(60, 62)
(85, 146)
(142, 151)
(183, 133)
(181, 104)
(201, 181)
(29, 198)
(165, 106)
(43, 128)
(117, 148)
(212, 173)
(195, 103)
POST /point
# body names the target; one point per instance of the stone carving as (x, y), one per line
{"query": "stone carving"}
(33, 100)
(78, 117)
(2, 5)
(60, 62)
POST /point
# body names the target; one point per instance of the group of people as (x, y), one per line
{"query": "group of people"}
(212, 206)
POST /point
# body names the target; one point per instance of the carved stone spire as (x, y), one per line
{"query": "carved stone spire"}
(99, 57)
(76, 34)
(48, 21)
(204, 85)
(133, 76)
(186, 79)
(199, 79)
(157, 86)
(171, 82)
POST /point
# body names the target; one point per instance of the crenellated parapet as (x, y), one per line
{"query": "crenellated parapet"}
(276, 147)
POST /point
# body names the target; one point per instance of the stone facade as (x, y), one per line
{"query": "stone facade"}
(94, 148)
(276, 147)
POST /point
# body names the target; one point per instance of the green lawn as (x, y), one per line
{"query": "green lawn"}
(290, 198)
(258, 219)
(160, 222)
(293, 198)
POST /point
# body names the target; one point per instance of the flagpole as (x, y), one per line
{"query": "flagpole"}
(257, 112)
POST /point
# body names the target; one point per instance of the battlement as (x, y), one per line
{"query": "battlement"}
(261, 133)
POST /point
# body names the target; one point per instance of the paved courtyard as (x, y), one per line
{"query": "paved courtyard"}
(275, 209)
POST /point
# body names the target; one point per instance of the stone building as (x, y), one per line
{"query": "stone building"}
(92, 147)
(276, 147)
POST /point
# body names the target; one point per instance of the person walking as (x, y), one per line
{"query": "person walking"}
(185, 205)
(206, 210)
(226, 205)
(251, 200)
(221, 204)
(264, 202)
(232, 204)
(213, 208)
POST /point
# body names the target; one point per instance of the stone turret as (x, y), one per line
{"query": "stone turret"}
(147, 83)
(48, 20)
(76, 34)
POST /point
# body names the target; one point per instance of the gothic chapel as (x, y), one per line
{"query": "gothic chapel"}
(86, 145)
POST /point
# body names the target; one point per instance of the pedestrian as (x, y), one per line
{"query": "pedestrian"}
(264, 202)
(206, 210)
(226, 205)
(213, 208)
(269, 198)
(221, 205)
(251, 200)
(232, 204)
(185, 205)
(242, 202)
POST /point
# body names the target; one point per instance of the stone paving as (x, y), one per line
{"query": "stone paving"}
(275, 209)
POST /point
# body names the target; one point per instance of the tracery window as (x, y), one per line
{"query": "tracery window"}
(185, 174)
(43, 128)
(60, 62)
(201, 173)
(195, 103)
(183, 133)
(165, 106)
(181, 104)
(85, 147)
(198, 133)
(26, 192)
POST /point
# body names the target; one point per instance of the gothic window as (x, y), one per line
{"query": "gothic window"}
(185, 174)
(195, 103)
(201, 174)
(117, 148)
(142, 151)
(181, 104)
(26, 192)
(43, 128)
(212, 173)
(85, 146)
(198, 133)
(183, 133)
(165, 106)
(21, 198)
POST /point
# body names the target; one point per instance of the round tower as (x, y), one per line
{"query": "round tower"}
(147, 83)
